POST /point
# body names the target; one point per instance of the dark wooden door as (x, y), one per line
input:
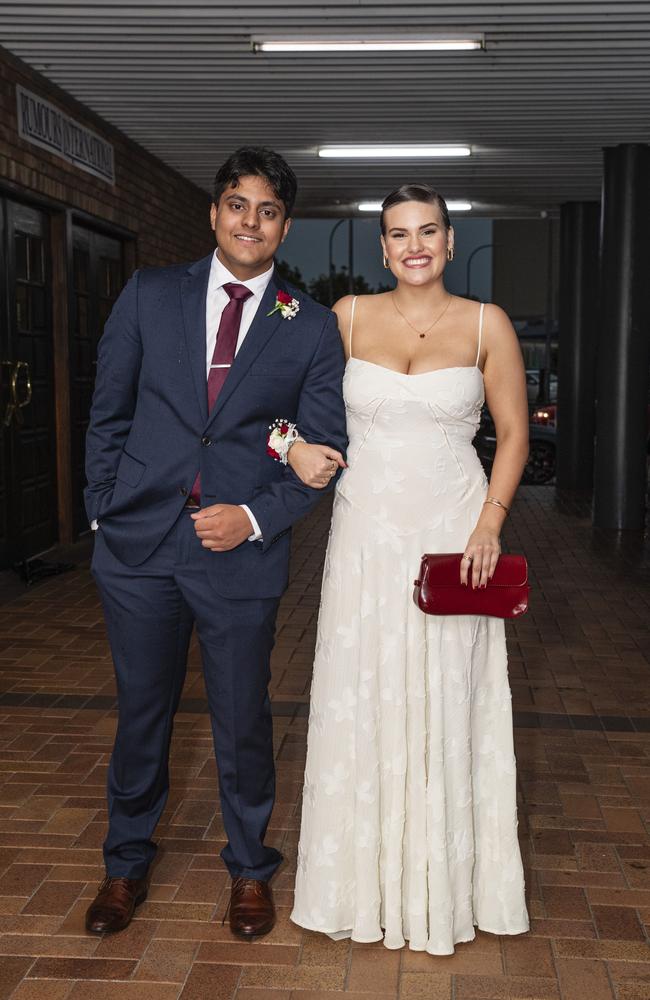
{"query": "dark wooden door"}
(97, 278)
(28, 488)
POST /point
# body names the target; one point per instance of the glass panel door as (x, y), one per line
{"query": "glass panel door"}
(28, 494)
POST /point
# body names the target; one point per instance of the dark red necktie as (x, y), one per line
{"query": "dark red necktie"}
(224, 353)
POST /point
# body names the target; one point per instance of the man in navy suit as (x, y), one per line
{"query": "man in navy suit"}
(193, 519)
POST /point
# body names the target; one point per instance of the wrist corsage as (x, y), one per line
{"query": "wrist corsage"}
(282, 434)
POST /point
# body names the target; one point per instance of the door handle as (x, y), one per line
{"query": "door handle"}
(9, 409)
(26, 399)
(16, 401)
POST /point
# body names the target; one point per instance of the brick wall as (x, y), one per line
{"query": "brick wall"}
(168, 214)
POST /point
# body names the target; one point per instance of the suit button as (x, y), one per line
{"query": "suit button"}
(205, 441)
(183, 492)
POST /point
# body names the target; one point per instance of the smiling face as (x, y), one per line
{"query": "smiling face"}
(249, 225)
(416, 241)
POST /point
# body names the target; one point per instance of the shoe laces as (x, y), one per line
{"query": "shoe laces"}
(122, 884)
(247, 886)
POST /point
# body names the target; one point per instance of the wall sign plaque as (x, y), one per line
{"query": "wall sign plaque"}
(45, 125)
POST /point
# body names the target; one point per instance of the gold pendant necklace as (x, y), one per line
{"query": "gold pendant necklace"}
(429, 328)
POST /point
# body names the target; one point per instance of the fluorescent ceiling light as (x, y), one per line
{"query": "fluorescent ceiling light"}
(453, 206)
(386, 152)
(467, 43)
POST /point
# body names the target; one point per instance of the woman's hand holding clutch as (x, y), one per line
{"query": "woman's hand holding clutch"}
(315, 464)
(483, 548)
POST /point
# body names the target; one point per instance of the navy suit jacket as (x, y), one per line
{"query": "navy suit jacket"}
(150, 431)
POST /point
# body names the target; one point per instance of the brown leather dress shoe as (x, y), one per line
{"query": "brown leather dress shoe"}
(252, 912)
(114, 904)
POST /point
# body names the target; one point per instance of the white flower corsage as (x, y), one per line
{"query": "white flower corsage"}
(286, 305)
(282, 435)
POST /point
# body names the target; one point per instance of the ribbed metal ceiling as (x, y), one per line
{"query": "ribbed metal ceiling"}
(555, 83)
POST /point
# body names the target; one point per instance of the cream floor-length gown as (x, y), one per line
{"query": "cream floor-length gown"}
(409, 821)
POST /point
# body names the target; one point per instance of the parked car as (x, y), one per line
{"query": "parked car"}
(545, 415)
(541, 464)
(533, 380)
(540, 467)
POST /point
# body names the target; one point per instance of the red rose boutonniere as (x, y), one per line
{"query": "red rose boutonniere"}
(286, 305)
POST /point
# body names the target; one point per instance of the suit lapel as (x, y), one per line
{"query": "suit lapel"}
(259, 333)
(194, 290)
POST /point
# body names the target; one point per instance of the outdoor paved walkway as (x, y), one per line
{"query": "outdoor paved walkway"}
(579, 672)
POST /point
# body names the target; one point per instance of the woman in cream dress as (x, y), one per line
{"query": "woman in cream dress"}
(409, 825)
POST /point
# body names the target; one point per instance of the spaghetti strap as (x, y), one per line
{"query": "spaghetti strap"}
(354, 302)
(480, 333)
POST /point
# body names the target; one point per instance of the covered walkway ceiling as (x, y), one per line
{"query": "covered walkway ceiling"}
(555, 83)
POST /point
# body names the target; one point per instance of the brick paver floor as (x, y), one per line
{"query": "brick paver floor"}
(579, 671)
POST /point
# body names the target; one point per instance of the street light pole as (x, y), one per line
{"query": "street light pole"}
(331, 262)
(483, 246)
(351, 257)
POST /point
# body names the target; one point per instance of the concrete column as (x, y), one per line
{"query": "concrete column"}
(578, 344)
(624, 343)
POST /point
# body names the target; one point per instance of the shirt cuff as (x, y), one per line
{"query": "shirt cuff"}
(94, 524)
(257, 534)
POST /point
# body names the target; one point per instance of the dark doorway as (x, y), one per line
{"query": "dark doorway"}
(28, 493)
(97, 279)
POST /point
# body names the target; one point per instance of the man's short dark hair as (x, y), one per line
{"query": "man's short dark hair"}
(261, 162)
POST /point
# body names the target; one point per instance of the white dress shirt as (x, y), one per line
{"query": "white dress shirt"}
(216, 302)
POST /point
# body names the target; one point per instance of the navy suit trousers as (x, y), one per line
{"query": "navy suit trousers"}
(150, 610)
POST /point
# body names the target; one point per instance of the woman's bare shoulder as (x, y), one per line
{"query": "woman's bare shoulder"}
(496, 314)
(343, 307)
(365, 303)
(497, 326)
(500, 338)
(495, 319)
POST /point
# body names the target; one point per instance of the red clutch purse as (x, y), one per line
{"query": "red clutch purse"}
(438, 590)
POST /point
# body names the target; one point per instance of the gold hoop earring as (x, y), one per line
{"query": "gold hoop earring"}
(386, 264)
(450, 253)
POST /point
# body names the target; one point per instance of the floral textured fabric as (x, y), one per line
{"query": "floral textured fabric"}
(409, 823)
